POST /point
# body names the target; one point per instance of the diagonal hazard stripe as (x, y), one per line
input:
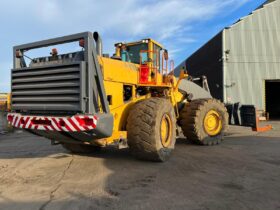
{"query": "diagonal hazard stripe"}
(74, 125)
(71, 124)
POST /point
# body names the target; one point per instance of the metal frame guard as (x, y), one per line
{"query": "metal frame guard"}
(95, 87)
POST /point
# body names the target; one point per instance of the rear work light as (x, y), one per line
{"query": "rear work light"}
(82, 43)
(54, 52)
(18, 54)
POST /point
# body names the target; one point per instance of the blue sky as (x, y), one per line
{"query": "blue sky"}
(182, 26)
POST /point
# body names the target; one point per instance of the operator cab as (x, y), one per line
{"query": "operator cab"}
(130, 52)
(149, 54)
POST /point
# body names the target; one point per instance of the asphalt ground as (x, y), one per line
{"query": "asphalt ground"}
(241, 173)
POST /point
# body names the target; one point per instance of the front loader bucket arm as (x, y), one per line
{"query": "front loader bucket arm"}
(188, 87)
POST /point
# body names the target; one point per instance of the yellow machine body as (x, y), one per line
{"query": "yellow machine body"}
(86, 100)
(118, 73)
(5, 102)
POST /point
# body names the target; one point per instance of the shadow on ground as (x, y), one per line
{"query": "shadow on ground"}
(241, 173)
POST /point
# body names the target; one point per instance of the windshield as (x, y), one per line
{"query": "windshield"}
(132, 53)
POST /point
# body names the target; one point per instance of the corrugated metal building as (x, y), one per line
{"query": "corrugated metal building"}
(242, 62)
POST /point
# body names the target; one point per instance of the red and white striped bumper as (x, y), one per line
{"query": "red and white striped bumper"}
(77, 123)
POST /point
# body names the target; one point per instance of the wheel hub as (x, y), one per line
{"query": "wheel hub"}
(212, 123)
(165, 130)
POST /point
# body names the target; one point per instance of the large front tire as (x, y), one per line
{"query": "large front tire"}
(204, 121)
(151, 129)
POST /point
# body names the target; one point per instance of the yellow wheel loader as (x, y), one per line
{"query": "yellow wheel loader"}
(85, 100)
(5, 102)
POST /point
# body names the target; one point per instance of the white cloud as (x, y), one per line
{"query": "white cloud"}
(168, 21)
(47, 10)
(126, 18)
(131, 19)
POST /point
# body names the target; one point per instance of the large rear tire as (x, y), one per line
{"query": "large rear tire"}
(151, 129)
(204, 121)
(80, 148)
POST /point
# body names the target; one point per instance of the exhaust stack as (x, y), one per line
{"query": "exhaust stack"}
(98, 41)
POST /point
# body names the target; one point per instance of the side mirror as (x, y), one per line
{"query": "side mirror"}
(165, 55)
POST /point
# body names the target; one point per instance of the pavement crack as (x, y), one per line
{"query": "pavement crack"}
(51, 198)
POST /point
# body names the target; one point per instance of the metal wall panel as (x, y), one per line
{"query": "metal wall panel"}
(253, 46)
(208, 61)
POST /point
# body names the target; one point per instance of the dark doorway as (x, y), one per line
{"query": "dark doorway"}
(272, 95)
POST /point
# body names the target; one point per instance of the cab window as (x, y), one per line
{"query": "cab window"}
(157, 57)
(132, 53)
(144, 57)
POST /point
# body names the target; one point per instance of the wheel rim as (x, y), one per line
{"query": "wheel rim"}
(165, 130)
(212, 123)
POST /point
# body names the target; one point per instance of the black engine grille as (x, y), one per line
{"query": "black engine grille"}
(49, 88)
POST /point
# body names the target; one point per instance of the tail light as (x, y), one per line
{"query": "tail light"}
(10, 118)
(85, 121)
